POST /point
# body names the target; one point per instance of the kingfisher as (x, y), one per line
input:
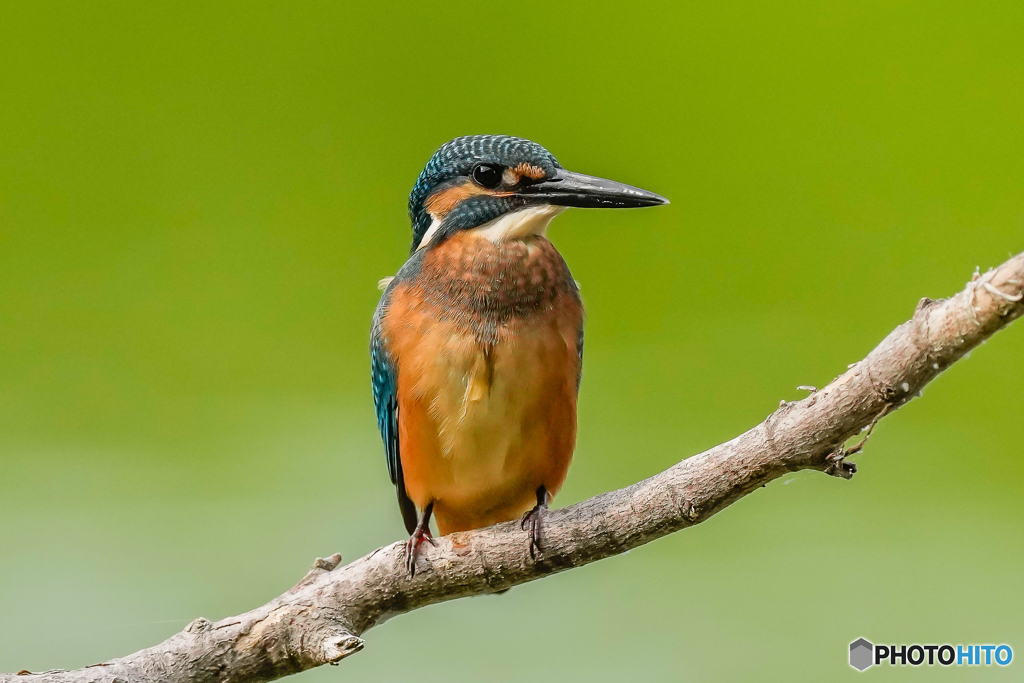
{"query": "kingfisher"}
(477, 342)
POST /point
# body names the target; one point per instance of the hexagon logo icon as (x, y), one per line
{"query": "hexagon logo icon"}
(861, 654)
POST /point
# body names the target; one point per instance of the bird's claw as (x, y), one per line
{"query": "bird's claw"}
(412, 548)
(532, 523)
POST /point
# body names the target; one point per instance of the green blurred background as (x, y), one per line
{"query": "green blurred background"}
(196, 204)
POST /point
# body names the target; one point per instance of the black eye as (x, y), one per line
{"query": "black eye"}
(487, 175)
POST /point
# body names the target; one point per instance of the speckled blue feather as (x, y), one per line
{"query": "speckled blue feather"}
(385, 402)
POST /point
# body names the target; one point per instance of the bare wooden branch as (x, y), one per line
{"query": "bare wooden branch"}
(320, 620)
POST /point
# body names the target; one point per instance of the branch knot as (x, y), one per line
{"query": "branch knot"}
(199, 625)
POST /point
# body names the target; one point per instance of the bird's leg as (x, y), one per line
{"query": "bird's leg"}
(421, 534)
(532, 519)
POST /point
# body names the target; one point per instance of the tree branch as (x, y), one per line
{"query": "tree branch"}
(320, 620)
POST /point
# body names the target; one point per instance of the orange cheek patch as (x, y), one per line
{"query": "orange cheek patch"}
(443, 201)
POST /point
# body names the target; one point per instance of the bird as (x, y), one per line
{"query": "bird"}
(477, 342)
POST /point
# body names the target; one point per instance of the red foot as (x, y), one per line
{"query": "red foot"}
(412, 548)
(532, 523)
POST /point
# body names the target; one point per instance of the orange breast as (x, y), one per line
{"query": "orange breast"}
(487, 378)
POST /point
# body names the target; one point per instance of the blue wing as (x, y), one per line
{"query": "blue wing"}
(384, 376)
(385, 402)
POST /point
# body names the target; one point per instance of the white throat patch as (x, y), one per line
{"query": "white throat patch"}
(532, 220)
(518, 224)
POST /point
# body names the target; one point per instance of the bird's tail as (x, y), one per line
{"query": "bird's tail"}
(405, 504)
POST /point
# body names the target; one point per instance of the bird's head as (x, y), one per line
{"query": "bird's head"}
(509, 187)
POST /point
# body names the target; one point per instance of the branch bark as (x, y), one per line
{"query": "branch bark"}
(321, 619)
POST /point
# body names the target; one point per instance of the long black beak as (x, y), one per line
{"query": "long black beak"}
(566, 188)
